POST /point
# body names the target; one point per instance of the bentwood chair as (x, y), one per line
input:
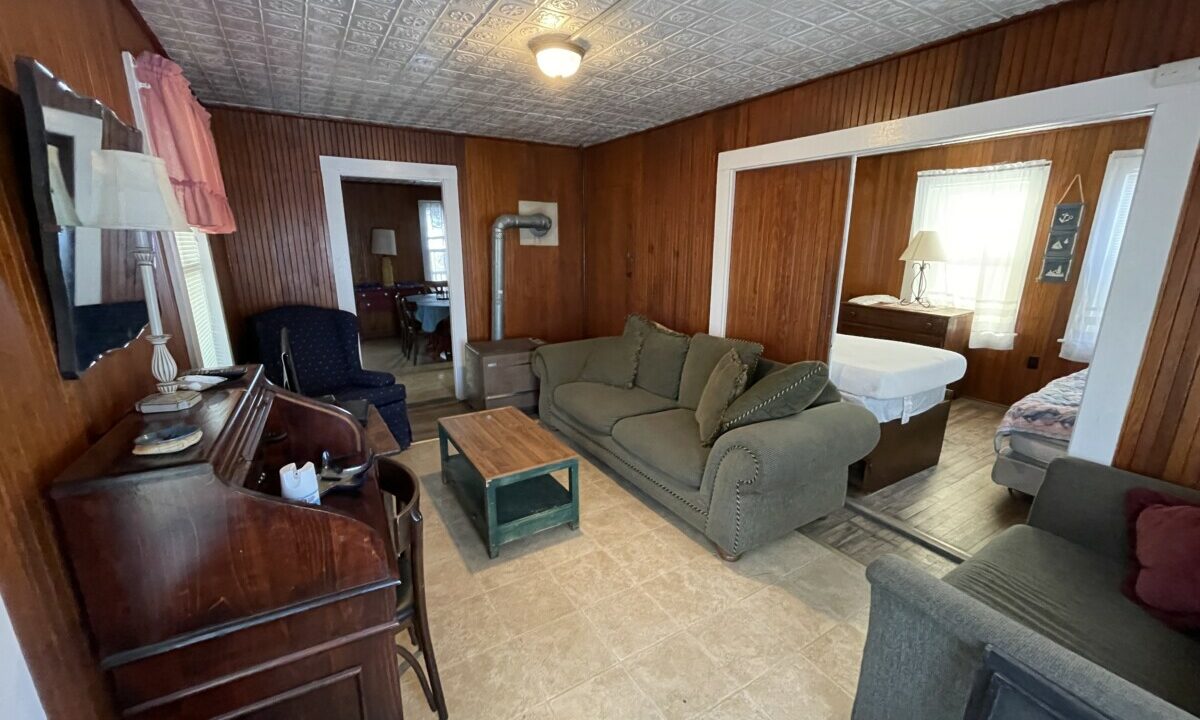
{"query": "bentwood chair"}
(411, 612)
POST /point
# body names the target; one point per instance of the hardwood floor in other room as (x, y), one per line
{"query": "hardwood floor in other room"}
(426, 381)
(955, 502)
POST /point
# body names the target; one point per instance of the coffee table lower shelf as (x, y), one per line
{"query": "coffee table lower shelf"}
(515, 506)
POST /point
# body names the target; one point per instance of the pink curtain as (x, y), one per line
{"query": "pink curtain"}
(179, 133)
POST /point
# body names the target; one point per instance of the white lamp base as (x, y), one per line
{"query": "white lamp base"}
(169, 402)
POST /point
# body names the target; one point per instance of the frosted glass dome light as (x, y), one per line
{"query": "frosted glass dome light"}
(557, 55)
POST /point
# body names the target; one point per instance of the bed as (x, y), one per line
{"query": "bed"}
(904, 386)
(1036, 430)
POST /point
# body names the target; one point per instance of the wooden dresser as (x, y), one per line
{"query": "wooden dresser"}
(206, 593)
(499, 373)
(948, 328)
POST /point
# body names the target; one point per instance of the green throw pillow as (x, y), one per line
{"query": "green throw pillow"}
(703, 353)
(780, 394)
(660, 362)
(727, 381)
(613, 362)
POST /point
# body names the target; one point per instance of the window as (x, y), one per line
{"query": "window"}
(433, 241)
(1100, 255)
(987, 218)
(204, 300)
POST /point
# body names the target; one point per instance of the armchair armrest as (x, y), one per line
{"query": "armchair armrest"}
(925, 644)
(771, 477)
(560, 363)
(370, 378)
(1084, 502)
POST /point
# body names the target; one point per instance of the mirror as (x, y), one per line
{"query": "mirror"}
(91, 274)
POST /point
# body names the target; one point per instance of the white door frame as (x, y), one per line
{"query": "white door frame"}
(334, 170)
(1170, 151)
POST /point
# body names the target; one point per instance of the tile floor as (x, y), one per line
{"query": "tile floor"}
(633, 616)
(425, 381)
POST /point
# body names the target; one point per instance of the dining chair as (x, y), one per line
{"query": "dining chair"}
(412, 330)
(401, 484)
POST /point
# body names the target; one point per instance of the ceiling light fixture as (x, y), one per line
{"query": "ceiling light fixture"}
(558, 56)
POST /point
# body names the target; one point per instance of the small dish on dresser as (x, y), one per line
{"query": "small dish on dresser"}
(170, 439)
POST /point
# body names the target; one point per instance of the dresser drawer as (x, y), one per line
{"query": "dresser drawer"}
(508, 379)
(914, 321)
(887, 333)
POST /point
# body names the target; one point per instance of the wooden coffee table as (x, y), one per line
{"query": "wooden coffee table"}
(501, 474)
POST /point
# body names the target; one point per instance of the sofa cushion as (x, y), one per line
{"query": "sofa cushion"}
(780, 394)
(614, 361)
(1073, 596)
(598, 407)
(726, 382)
(704, 351)
(667, 441)
(660, 362)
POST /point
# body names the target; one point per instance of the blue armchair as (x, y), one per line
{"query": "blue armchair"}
(324, 345)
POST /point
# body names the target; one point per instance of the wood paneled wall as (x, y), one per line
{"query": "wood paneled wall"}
(45, 421)
(885, 188)
(280, 252)
(767, 262)
(1162, 427)
(650, 196)
(372, 205)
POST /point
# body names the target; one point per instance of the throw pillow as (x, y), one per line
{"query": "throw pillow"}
(704, 351)
(727, 381)
(780, 394)
(614, 362)
(1164, 531)
(660, 362)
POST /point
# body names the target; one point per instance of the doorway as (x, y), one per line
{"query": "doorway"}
(396, 252)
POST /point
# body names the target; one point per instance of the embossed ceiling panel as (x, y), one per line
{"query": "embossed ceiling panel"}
(464, 65)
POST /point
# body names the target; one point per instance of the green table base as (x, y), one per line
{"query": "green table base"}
(513, 506)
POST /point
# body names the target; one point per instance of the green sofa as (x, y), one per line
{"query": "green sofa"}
(755, 484)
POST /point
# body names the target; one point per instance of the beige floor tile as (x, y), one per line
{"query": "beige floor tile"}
(611, 695)
(492, 685)
(644, 557)
(465, 628)
(561, 544)
(797, 690)
(834, 585)
(562, 654)
(776, 559)
(541, 712)
(592, 577)
(839, 654)
(680, 677)
(612, 524)
(694, 591)
(517, 561)
(415, 707)
(738, 706)
(677, 536)
(449, 581)
(630, 621)
(530, 603)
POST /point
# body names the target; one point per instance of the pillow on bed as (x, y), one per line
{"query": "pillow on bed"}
(726, 382)
(780, 394)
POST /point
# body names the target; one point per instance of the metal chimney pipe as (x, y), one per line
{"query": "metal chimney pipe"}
(540, 225)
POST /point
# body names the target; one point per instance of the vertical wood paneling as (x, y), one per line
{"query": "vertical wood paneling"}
(1035, 52)
(272, 174)
(47, 421)
(885, 189)
(393, 206)
(783, 266)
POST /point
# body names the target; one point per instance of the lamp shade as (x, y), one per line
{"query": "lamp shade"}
(131, 191)
(383, 241)
(926, 246)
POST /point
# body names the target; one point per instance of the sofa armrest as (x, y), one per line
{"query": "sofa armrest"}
(1084, 502)
(771, 477)
(925, 644)
(370, 378)
(560, 363)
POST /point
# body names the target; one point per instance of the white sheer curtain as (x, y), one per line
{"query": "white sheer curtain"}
(1100, 255)
(433, 241)
(987, 218)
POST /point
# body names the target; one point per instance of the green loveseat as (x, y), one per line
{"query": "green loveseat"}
(755, 484)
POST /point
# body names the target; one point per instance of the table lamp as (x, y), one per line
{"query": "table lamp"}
(131, 191)
(383, 243)
(925, 247)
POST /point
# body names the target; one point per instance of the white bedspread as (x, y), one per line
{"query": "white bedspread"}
(884, 369)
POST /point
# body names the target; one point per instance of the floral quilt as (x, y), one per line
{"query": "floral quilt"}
(1049, 412)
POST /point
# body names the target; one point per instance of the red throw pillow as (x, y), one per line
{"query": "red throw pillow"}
(1164, 531)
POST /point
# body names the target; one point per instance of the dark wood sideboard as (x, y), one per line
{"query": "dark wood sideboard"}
(210, 596)
(941, 327)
